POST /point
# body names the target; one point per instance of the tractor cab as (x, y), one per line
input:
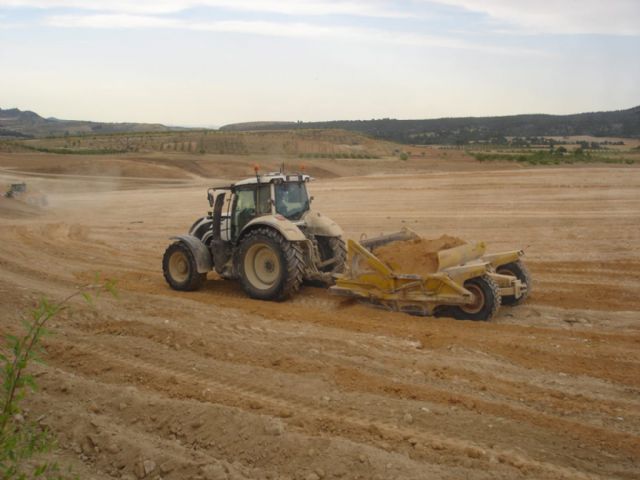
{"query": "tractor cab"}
(275, 194)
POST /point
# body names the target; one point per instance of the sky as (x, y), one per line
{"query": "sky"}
(214, 62)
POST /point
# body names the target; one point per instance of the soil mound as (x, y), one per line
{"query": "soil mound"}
(419, 256)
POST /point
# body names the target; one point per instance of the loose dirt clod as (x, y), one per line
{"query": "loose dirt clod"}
(419, 256)
(274, 427)
(214, 472)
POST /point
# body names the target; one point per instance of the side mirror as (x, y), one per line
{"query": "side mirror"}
(210, 198)
(311, 198)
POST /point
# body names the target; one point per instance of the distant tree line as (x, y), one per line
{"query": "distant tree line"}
(6, 133)
(464, 131)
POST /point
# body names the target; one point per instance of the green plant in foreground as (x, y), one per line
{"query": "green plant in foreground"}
(21, 439)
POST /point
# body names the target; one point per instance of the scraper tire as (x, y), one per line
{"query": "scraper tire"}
(485, 305)
(519, 270)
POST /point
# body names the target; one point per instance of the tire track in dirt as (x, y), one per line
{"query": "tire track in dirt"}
(196, 426)
(444, 398)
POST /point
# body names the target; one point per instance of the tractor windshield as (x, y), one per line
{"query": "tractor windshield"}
(292, 200)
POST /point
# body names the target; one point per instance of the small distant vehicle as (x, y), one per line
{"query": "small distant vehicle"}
(19, 191)
(16, 189)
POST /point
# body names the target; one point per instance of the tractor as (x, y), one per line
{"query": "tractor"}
(262, 232)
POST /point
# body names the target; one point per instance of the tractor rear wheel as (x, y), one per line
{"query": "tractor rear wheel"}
(180, 269)
(519, 270)
(332, 247)
(339, 253)
(484, 306)
(270, 267)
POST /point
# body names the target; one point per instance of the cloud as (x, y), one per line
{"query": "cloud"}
(111, 21)
(364, 8)
(277, 29)
(613, 17)
(6, 25)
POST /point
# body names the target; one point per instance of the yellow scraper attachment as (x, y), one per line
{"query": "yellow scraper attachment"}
(368, 278)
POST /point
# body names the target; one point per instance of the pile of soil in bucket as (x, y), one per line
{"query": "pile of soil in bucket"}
(418, 256)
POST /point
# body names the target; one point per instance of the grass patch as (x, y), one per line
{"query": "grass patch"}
(76, 151)
(339, 155)
(549, 158)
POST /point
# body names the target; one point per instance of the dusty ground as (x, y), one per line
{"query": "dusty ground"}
(212, 385)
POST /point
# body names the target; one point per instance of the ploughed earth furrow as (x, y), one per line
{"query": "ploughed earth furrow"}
(437, 448)
(209, 390)
(183, 436)
(550, 349)
(348, 361)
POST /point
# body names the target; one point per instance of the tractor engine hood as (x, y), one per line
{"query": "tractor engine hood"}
(316, 223)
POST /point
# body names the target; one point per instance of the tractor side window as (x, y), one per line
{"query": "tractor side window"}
(245, 209)
(263, 201)
(245, 200)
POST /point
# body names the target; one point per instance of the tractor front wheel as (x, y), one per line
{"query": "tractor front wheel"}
(180, 269)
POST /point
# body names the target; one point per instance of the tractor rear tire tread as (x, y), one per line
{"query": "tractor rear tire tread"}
(290, 254)
(339, 249)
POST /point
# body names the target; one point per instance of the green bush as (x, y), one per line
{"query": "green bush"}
(21, 439)
(545, 157)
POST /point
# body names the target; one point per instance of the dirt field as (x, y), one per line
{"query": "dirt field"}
(211, 385)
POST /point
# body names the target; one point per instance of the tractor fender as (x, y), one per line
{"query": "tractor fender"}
(319, 224)
(199, 250)
(286, 228)
(202, 229)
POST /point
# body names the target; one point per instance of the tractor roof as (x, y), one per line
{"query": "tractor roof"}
(274, 177)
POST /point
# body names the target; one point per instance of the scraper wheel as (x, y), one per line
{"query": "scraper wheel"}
(484, 305)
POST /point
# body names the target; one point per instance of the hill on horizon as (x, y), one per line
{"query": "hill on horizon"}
(463, 130)
(23, 124)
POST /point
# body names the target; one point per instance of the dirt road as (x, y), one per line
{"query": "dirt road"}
(212, 385)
